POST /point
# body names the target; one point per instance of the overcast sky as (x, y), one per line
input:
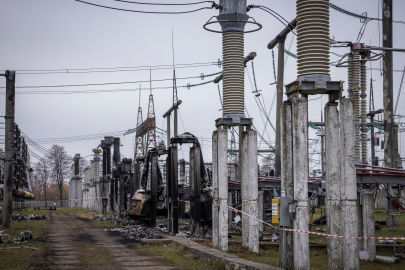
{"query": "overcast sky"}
(67, 35)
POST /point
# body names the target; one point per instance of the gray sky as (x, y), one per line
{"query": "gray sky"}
(64, 34)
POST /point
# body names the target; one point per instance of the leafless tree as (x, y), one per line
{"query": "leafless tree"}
(59, 162)
(42, 174)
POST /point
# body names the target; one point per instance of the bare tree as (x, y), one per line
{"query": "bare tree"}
(59, 162)
(42, 173)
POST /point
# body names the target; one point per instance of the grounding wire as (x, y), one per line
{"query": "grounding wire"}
(139, 11)
(399, 92)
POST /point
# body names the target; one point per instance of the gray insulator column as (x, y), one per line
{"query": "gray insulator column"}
(233, 73)
(350, 75)
(232, 54)
(313, 37)
(348, 185)
(333, 209)
(300, 167)
(363, 70)
(356, 106)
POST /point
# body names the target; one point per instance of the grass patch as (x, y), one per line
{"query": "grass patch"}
(178, 254)
(85, 213)
(21, 258)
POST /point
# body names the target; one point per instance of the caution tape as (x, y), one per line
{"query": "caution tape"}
(315, 233)
(91, 198)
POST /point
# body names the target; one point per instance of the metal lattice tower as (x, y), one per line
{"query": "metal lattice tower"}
(151, 123)
(371, 100)
(139, 145)
(174, 88)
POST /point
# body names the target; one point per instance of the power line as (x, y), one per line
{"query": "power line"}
(164, 4)
(148, 12)
(103, 70)
(97, 84)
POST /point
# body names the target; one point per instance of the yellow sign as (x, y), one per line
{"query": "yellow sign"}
(275, 211)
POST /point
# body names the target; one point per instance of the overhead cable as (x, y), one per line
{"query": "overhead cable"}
(148, 12)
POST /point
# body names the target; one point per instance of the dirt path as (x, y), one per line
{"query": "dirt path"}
(76, 244)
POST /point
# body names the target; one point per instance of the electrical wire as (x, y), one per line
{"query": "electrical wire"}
(106, 70)
(98, 84)
(164, 4)
(286, 25)
(139, 11)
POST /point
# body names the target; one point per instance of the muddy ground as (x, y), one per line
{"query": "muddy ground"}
(74, 243)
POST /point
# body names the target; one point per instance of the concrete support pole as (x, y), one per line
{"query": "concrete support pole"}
(122, 196)
(348, 185)
(280, 82)
(260, 209)
(249, 190)
(168, 131)
(333, 209)
(215, 204)
(195, 187)
(285, 255)
(230, 211)
(368, 223)
(300, 167)
(175, 192)
(9, 150)
(223, 189)
(169, 190)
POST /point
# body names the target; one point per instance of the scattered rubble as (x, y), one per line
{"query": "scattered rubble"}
(136, 232)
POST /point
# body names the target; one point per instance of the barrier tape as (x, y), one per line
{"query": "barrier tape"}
(315, 233)
(34, 201)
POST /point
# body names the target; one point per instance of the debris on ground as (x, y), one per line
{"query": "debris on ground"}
(20, 217)
(321, 220)
(320, 230)
(137, 232)
(272, 238)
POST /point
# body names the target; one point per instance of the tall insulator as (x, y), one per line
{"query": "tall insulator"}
(233, 19)
(313, 38)
(356, 105)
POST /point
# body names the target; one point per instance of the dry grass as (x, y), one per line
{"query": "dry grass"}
(21, 258)
(178, 254)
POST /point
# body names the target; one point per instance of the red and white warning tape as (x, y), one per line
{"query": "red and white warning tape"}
(309, 232)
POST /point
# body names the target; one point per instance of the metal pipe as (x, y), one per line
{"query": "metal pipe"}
(249, 57)
(283, 34)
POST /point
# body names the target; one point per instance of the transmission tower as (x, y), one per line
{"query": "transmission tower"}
(151, 122)
(371, 100)
(139, 146)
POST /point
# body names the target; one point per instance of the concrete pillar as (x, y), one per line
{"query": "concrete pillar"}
(249, 190)
(285, 255)
(230, 211)
(333, 209)
(348, 184)
(368, 223)
(260, 209)
(215, 204)
(223, 189)
(300, 167)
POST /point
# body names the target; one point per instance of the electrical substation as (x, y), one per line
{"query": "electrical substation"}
(239, 193)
